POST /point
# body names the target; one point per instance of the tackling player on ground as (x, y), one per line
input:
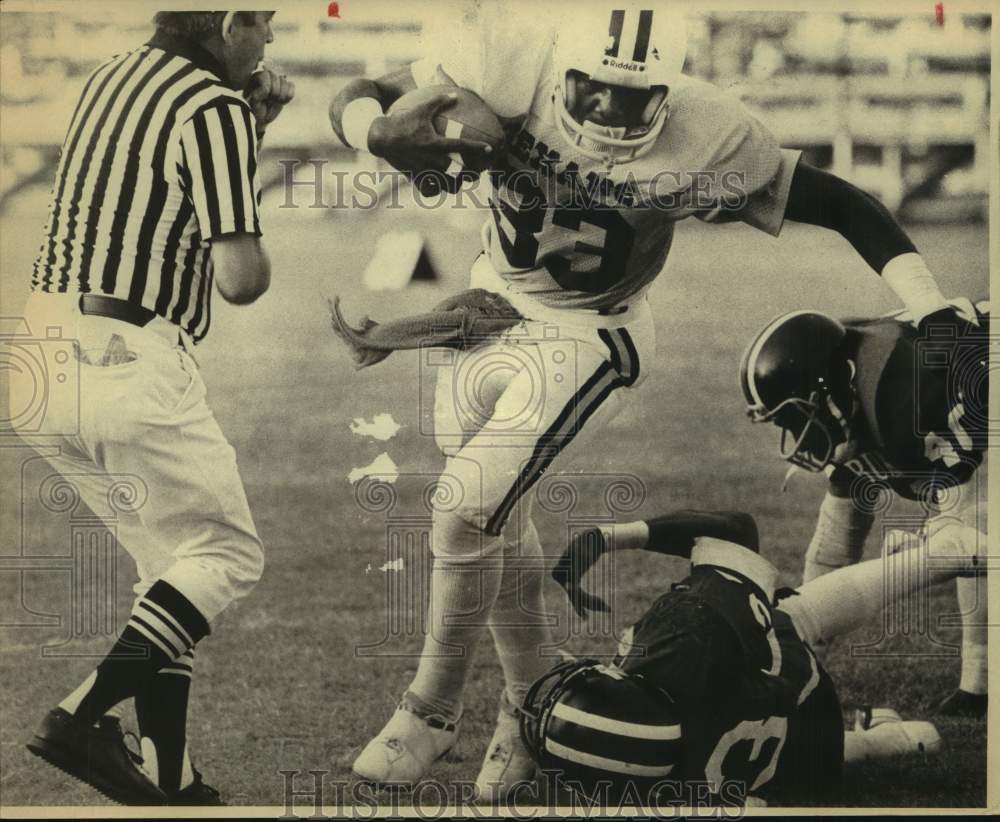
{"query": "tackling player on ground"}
(884, 404)
(716, 684)
(609, 146)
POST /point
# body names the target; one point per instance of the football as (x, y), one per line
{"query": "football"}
(468, 117)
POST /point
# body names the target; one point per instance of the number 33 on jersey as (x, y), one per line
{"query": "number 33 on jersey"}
(576, 232)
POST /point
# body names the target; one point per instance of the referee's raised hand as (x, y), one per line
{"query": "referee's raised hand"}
(268, 93)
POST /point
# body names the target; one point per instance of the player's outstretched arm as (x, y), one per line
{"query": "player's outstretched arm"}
(673, 534)
(819, 198)
(407, 140)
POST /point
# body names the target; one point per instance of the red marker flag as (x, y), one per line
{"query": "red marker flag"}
(939, 13)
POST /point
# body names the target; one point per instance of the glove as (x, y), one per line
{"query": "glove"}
(958, 314)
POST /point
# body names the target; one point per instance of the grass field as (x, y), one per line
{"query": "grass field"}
(280, 685)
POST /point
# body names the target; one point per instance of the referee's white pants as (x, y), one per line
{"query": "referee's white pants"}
(139, 438)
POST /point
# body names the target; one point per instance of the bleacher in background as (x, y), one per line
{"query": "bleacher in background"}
(898, 105)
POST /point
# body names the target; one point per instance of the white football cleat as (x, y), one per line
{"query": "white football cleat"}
(886, 734)
(507, 763)
(405, 748)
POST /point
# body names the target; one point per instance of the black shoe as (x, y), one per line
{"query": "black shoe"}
(96, 756)
(962, 703)
(197, 794)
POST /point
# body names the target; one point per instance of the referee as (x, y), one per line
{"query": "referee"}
(155, 201)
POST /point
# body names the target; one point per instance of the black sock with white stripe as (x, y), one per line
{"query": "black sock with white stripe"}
(164, 624)
(161, 708)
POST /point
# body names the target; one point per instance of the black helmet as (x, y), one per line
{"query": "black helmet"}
(594, 724)
(796, 374)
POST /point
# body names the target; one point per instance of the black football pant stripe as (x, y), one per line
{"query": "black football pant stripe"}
(622, 370)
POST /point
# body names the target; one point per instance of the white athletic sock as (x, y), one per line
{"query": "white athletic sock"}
(72, 702)
(849, 598)
(627, 535)
(462, 593)
(150, 764)
(187, 771)
(518, 620)
(973, 605)
(839, 538)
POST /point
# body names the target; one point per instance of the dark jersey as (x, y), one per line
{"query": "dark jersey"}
(759, 714)
(923, 401)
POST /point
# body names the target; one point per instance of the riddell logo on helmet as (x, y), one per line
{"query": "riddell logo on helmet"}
(624, 64)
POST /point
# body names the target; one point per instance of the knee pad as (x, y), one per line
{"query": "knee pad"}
(469, 384)
(520, 537)
(459, 538)
(472, 489)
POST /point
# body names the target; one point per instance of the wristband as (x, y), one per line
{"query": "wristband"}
(356, 122)
(914, 284)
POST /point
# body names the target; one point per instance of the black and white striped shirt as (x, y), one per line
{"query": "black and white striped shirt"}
(159, 159)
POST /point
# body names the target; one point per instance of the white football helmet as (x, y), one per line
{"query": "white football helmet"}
(634, 47)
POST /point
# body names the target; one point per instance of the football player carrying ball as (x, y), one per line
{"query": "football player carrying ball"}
(608, 146)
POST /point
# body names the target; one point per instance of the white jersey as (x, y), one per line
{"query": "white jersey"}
(567, 231)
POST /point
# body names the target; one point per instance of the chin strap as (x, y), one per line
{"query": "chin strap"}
(227, 21)
(792, 471)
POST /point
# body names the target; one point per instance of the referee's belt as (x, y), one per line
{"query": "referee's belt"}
(100, 305)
